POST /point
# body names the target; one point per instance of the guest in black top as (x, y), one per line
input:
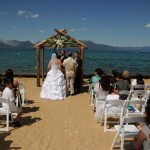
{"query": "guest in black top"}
(78, 77)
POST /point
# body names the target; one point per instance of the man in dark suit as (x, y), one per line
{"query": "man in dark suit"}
(62, 56)
(78, 77)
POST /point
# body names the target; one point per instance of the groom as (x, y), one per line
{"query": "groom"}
(70, 69)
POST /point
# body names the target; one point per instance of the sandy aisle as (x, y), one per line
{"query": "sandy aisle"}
(56, 125)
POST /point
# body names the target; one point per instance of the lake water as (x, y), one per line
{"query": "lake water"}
(24, 61)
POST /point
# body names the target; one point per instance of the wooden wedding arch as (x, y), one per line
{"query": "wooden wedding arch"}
(54, 42)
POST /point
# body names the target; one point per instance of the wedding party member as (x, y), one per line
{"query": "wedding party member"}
(63, 55)
(70, 69)
(54, 87)
(8, 94)
(62, 58)
(78, 76)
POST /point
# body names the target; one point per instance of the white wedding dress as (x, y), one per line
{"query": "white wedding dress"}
(54, 87)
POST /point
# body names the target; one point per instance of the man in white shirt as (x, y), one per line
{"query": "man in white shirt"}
(8, 94)
(70, 69)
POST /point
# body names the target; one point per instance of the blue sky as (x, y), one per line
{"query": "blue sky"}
(111, 22)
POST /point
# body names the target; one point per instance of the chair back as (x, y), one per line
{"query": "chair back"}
(115, 102)
(133, 119)
(123, 94)
(139, 87)
(5, 112)
(147, 86)
(138, 93)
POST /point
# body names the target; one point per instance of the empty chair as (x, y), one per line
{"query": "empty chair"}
(126, 131)
(113, 108)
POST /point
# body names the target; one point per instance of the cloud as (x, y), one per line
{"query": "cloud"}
(3, 13)
(34, 15)
(78, 29)
(147, 25)
(27, 14)
(21, 12)
(72, 30)
(42, 31)
(83, 19)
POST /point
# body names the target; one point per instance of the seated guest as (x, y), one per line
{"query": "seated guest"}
(122, 84)
(8, 94)
(10, 75)
(113, 95)
(143, 137)
(101, 88)
(138, 82)
(97, 76)
(2, 87)
(103, 84)
(126, 76)
(112, 76)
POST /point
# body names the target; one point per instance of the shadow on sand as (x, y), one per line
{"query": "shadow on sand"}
(5, 145)
(30, 109)
(28, 120)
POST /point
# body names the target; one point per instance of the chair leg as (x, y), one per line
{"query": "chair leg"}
(101, 118)
(105, 120)
(122, 138)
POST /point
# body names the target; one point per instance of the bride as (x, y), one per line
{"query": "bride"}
(54, 87)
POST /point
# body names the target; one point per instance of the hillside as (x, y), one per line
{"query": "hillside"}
(14, 44)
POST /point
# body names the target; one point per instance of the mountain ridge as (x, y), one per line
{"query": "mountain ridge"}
(13, 44)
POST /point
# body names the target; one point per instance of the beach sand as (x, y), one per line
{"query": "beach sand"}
(56, 125)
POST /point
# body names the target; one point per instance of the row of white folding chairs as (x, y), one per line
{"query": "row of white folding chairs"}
(124, 130)
(124, 108)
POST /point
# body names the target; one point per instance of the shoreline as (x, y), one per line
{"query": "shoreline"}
(84, 76)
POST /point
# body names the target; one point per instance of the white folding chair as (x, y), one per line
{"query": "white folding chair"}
(147, 86)
(100, 96)
(22, 91)
(118, 103)
(5, 112)
(126, 131)
(18, 101)
(137, 94)
(124, 94)
(135, 111)
(146, 96)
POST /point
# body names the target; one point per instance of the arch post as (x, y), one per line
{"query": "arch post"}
(38, 66)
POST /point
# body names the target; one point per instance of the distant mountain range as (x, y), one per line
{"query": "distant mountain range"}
(14, 44)
(103, 47)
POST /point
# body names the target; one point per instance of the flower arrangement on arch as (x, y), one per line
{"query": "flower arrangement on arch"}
(61, 42)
